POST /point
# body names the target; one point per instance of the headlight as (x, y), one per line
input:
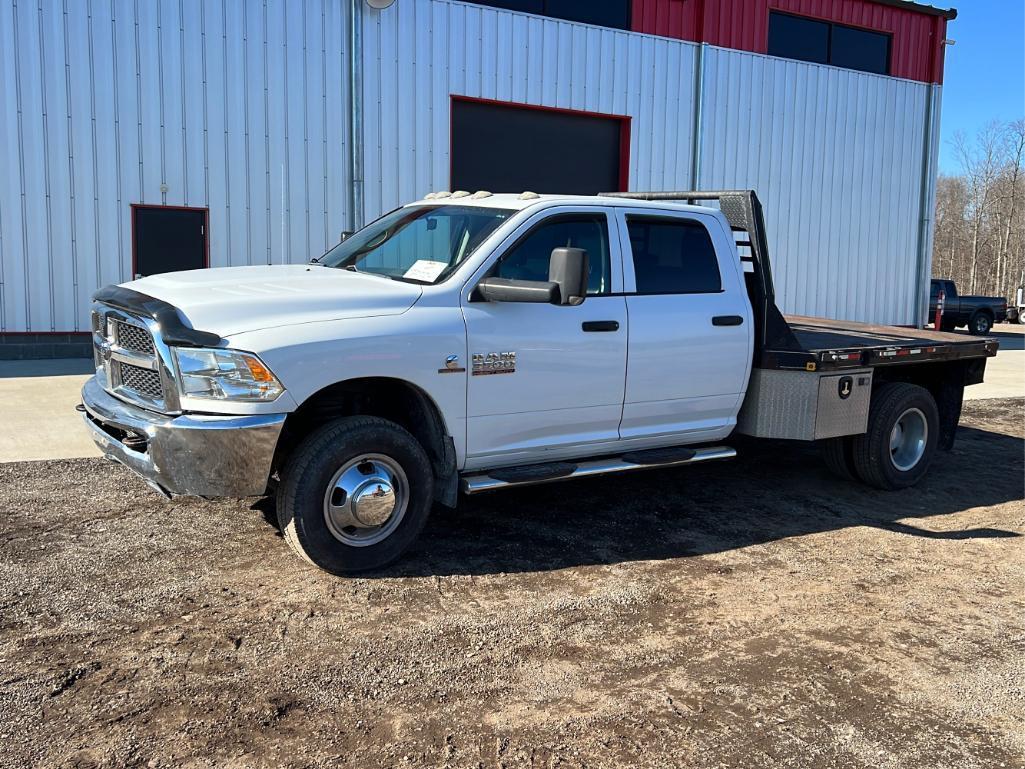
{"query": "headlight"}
(225, 375)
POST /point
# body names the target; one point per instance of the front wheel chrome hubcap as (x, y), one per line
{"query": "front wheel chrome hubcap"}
(908, 439)
(366, 500)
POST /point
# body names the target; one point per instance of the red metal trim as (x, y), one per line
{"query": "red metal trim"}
(624, 154)
(624, 129)
(917, 32)
(206, 229)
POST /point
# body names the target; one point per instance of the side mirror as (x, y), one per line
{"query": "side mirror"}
(566, 284)
(508, 290)
(344, 236)
(568, 269)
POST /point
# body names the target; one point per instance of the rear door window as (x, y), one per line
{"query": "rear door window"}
(672, 256)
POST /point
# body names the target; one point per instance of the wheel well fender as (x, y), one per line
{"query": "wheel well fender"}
(945, 381)
(393, 399)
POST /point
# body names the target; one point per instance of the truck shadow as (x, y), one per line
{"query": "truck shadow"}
(772, 491)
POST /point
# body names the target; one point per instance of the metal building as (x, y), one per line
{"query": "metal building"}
(139, 136)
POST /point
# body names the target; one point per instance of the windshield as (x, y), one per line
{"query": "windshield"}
(419, 244)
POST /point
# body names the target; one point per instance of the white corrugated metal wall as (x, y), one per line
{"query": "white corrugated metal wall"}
(835, 155)
(236, 106)
(242, 107)
(418, 53)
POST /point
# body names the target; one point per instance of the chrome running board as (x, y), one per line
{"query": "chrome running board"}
(529, 475)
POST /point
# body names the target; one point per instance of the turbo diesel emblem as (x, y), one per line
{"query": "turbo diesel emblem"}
(494, 363)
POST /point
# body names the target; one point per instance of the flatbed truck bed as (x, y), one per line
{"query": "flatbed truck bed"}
(832, 345)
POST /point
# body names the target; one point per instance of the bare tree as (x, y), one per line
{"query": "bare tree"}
(980, 212)
(1014, 136)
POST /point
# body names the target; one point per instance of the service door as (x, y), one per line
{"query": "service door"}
(168, 239)
(545, 378)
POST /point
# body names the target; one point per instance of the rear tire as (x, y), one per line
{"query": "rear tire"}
(980, 324)
(355, 494)
(900, 443)
(838, 454)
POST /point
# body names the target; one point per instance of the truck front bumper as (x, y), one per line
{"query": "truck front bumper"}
(194, 454)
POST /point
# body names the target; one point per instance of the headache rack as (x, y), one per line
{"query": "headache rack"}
(814, 344)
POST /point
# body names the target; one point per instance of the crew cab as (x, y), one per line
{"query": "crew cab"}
(475, 342)
(978, 313)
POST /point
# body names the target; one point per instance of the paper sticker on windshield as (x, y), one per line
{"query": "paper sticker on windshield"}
(426, 270)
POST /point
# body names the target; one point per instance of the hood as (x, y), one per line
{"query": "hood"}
(230, 300)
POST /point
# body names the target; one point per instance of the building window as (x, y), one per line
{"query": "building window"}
(604, 13)
(822, 42)
(672, 256)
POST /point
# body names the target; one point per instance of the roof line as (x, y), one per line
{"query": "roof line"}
(910, 5)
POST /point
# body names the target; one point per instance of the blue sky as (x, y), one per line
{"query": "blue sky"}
(984, 75)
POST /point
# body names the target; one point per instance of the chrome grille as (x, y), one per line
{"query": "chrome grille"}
(142, 380)
(133, 338)
(130, 362)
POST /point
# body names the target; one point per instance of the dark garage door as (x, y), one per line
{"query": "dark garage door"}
(510, 148)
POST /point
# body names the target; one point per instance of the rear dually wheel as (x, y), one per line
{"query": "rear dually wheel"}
(900, 443)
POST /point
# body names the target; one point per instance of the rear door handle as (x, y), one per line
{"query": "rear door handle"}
(600, 325)
(727, 320)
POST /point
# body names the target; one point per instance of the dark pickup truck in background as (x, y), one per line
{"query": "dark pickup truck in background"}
(978, 313)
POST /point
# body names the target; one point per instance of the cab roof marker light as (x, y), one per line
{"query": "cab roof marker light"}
(480, 194)
(460, 194)
(441, 194)
(528, 195)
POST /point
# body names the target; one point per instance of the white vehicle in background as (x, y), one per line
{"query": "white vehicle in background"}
(477, 342)
(1016, 309)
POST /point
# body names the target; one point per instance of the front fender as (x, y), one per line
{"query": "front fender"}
(412, 347)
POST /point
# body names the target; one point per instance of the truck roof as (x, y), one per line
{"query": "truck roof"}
(520, 200)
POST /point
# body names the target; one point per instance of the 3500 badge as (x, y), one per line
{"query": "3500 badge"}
(494, 363)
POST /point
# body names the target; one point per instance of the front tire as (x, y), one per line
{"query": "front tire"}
(900, 443)
(355, 494)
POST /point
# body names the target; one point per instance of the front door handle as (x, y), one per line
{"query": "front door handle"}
(600, 325)
(727, 320)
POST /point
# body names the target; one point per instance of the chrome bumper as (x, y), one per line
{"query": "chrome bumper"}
(209, 456)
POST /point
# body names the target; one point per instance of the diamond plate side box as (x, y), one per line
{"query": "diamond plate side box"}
(805, 405)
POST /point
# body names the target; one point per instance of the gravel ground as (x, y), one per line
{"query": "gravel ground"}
(750, 614)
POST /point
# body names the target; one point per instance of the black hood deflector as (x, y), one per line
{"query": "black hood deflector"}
(173, 330)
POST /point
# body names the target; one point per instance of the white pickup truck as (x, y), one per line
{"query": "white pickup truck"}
(476, 341)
